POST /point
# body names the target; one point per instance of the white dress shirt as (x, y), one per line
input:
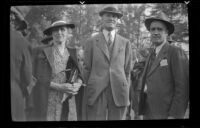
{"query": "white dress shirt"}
(105, 33)
(159, 48)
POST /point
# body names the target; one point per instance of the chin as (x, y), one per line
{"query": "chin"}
(157, 43)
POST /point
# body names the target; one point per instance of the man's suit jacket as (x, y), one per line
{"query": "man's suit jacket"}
(43, 72)
(102, 69)
(168, 83)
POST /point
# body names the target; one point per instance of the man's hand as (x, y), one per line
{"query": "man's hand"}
(31, 85)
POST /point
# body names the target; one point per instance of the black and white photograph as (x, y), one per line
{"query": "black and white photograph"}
(99, 62)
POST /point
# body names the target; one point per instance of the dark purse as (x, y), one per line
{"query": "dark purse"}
(72, 74)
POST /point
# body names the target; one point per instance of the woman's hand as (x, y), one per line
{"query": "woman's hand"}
(68, 88)
(76, 86)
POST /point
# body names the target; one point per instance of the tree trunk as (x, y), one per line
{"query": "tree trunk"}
(138, 33)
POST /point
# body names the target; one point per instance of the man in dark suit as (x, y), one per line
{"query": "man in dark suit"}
(107, 70)
(21, 66)
(165, 78)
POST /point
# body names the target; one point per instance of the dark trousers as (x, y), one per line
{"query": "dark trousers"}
(150, 115)
(104, 108)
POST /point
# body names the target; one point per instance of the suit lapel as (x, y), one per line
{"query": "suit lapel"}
(159, 57)
(117, 45)
(49, 54)
(101, 43)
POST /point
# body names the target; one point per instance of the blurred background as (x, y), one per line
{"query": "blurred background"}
(86, 17)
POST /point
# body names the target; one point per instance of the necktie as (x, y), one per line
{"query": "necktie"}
(152, 58)
(109, 39)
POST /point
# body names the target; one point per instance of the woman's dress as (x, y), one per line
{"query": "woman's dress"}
(55, 97)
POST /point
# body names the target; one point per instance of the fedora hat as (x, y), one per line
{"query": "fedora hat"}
(112, 10)
(22, 23)
(163, 18)
(47, 39)
(57, 24)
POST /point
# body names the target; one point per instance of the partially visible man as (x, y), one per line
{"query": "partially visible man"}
(165, 80)
(107, 70)
(21, 66)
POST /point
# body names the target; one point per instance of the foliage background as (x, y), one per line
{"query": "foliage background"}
(88, 22)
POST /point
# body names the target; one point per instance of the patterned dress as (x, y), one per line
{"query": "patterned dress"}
(55, 97)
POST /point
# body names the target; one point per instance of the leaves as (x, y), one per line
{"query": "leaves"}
(88, 21)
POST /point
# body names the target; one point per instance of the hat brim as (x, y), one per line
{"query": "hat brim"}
(48, 31)
(119, 15)
(23, 25)
(170, 26)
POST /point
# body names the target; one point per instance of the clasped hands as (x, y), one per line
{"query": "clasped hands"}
(68, 87)
(71, 88)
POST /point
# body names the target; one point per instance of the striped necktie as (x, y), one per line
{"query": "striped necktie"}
(109, 39)
(152, 58)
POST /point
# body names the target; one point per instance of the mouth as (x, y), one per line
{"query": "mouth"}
(156, 37)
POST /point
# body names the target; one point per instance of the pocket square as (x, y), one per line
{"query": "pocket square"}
(163, 62)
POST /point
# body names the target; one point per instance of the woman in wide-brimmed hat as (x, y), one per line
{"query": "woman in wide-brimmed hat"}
(54, 64)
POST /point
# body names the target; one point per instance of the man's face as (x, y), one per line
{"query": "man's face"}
(109, 21)
(60, 34)
(158, 32)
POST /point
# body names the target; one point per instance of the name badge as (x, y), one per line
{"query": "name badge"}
(163, 62)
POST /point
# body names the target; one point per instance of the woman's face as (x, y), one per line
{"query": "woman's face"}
(60, 34)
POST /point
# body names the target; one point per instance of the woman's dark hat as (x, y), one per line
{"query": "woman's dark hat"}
(163, 18)
(56, 24)
(23, 24)
(112, 10)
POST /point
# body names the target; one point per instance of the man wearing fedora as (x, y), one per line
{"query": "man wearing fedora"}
(107, 70)
(54, 91)
(165, 80)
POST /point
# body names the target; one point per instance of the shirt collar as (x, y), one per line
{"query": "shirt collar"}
(159, 48)
(105, 33)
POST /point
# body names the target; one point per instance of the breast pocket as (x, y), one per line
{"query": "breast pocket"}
(121, 56)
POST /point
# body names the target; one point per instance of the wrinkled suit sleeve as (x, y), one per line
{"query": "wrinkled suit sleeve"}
(88, 52)
(180, 75)
(26, 70)
(128, 61)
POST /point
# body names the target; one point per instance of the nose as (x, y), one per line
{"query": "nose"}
(155, 32)
(59, 31)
